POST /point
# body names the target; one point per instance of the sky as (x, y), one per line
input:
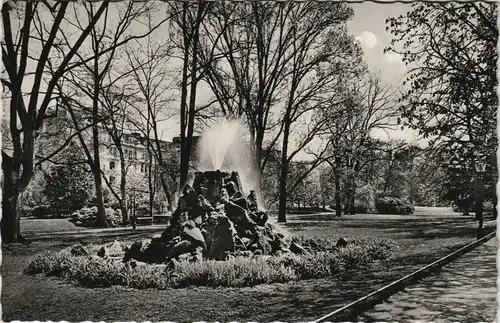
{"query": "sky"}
(368, 26)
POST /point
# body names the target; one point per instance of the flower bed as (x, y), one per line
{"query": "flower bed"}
(324, 258)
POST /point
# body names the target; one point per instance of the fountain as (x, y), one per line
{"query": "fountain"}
(225, 146)
(215, 217)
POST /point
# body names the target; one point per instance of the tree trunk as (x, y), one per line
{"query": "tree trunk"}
(10, 223)
(184, 163)
(352, 198)
(388, 176)
(101, 221)
(338, 201)
(123, 189)
(187, 124)
(151, 185)
(284, 171)
(478, 205)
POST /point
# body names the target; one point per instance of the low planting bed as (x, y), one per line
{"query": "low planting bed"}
(82, 265)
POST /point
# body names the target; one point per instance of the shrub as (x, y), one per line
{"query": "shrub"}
(86, 216)
(93, 271)
(393, 205)
(365, 198)
(68, 188)
(41, 211)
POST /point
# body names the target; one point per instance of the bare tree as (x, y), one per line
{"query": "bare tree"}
(153, 84)
(90, 81)
(321, 57)
(188, 18)
(114, 104)
(375, 108)
(18, 45)
(248, 69)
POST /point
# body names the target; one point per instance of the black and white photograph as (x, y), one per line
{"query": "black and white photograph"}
(249, 161)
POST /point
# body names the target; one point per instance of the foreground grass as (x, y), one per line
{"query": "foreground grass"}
(42, 298)
(325, 261)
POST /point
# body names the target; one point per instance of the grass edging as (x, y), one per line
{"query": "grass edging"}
(364, 303)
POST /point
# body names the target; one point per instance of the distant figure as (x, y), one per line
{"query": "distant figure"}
(133, 221)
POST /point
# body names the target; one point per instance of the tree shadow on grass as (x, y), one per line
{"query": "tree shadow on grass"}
(63, 240)
(395, 228)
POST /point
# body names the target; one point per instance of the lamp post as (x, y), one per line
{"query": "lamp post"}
(480, 167)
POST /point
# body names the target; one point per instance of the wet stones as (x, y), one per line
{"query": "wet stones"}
(220, 235)
(341, 243)
(193, 234)
(298, 249)
(213, 219)
(112, 250)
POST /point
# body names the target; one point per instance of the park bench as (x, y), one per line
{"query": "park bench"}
(144, 220)
(161, 218)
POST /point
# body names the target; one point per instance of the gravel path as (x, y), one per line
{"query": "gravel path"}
(463, 291)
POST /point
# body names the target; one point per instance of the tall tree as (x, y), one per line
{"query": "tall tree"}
(375, 109)
(245, 66)
(89, 80)
(115, 109)
(188, 18)
(154, 92)
(451, 97)
(26, 119)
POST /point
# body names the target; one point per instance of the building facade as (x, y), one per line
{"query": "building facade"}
(142, 170)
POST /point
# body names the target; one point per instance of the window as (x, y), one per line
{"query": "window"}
(135, 154)
(112, 164)
(111, 180)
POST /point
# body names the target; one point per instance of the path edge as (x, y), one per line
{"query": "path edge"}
(369, 301)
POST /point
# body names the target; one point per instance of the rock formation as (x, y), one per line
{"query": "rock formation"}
(213, 220)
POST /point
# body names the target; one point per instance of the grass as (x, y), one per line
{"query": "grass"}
(422, 238)
(325, 261)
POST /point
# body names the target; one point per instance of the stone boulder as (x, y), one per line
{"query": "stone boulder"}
(260, 217)
(220, 236)
(239, 216)
(180, 248)
(263, 241)
(148, 251)
(112, 250)
(298, 249)
(172, 230)
(194, 235)
(341, 243)
(231, 188)
(204, 204)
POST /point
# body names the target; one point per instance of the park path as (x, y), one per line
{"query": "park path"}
(463, 291)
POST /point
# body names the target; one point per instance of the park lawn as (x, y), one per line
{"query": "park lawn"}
(39, 226)
(422, 239)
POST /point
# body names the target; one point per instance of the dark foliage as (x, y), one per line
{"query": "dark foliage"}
(393, 205)
(68, 188)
